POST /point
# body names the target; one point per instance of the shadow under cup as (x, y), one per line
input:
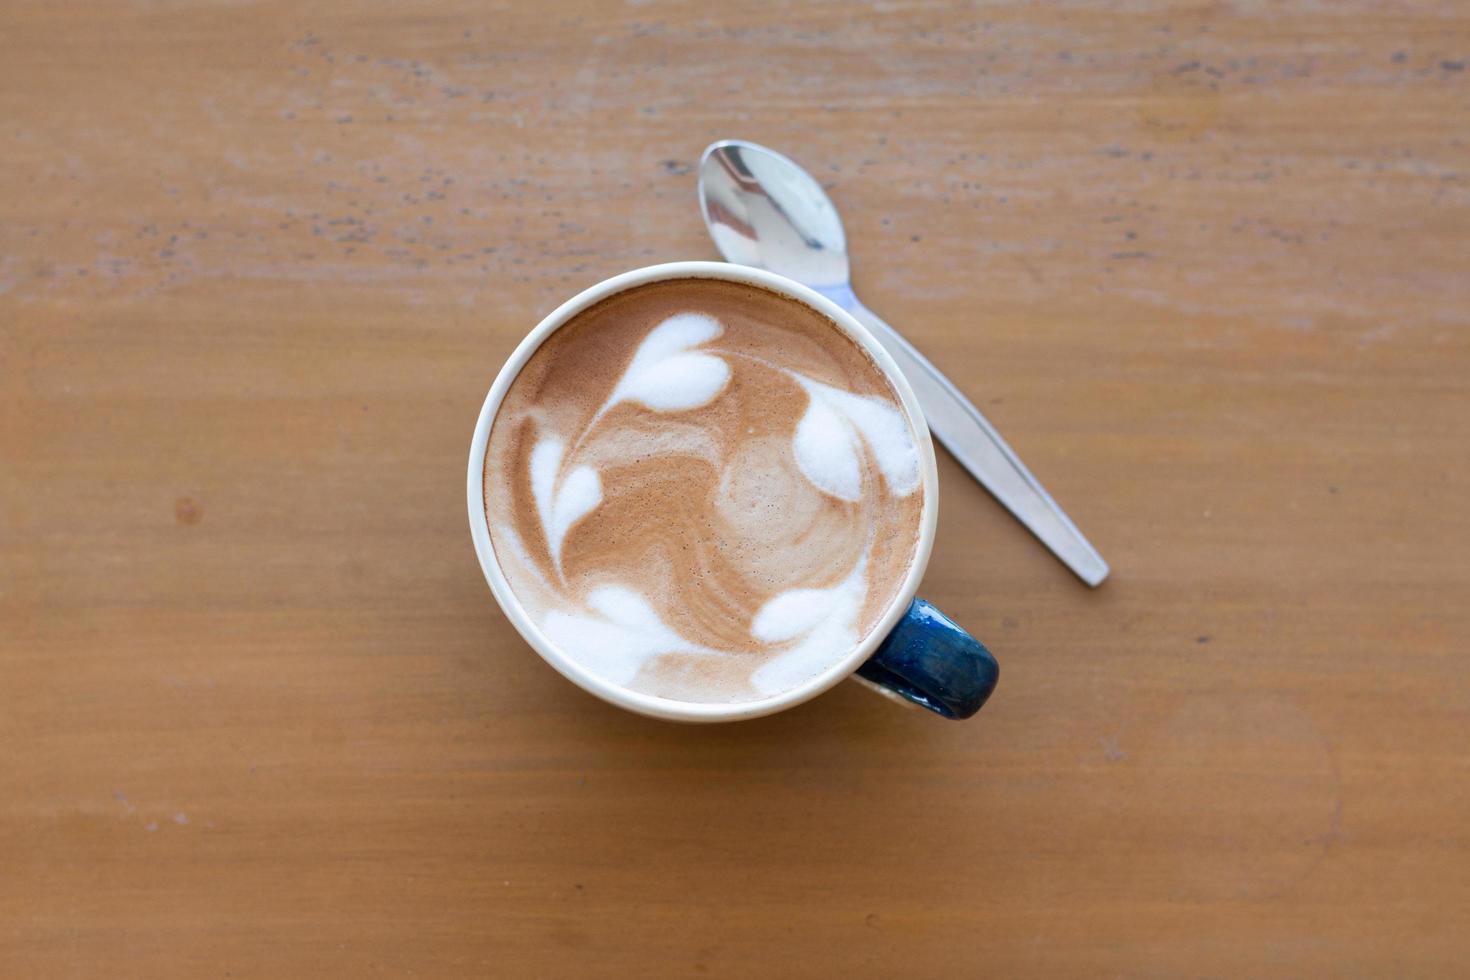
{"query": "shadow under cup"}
(912, 652)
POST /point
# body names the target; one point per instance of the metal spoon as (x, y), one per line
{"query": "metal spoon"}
(763, 210)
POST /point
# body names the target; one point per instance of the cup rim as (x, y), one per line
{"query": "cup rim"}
(647, 704)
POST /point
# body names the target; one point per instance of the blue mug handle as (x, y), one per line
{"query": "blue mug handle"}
(929, 660)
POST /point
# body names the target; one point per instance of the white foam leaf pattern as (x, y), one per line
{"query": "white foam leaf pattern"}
(665, 375)
(624, 634)
(791, 614)
(561, 504)
(826, 443)
(628, 609)
(826, 451)
(822, 621)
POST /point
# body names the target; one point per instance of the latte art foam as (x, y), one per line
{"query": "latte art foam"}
(703, 491)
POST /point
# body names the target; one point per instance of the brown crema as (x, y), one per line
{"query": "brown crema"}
(695, 489)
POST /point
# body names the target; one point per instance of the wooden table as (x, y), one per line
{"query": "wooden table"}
(1206, 265)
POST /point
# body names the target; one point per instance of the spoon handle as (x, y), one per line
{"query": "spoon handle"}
(974, 442)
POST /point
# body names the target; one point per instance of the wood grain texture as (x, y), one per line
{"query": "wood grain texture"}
(1205, 264)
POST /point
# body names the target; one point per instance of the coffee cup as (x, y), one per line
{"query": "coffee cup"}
(905, 648)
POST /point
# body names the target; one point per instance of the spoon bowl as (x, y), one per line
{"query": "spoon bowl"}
(763, 210)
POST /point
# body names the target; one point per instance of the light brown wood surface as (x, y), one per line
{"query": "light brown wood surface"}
(1205, 264)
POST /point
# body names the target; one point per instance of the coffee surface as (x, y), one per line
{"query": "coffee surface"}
(703, 491)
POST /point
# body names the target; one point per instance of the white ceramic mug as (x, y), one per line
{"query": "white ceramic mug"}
(913, 652)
